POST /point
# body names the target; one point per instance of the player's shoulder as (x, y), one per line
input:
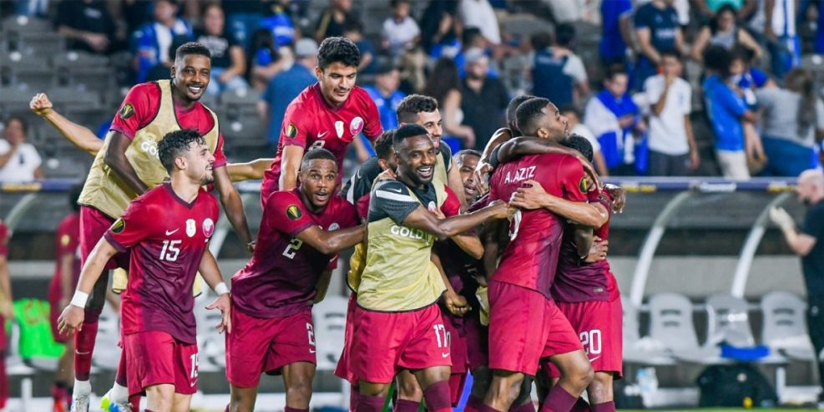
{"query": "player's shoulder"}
(284, 199)
(147, 89)
(391, 190)
(361, 97)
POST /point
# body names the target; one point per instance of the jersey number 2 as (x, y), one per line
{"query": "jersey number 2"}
(292, 248)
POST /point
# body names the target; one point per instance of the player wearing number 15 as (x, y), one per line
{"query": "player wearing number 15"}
(167, 229)
(300, 232)
(397, 323)
(329, 114)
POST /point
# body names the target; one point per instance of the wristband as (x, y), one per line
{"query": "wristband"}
(221, 288)
(79, 299)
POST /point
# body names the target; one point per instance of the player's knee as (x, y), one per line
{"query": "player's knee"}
(241, 401)
(600, 390)
(409, 389)
(583, 375)
(300, 390)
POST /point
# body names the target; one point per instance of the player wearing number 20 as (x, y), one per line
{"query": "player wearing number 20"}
(167, 229)
(300, 231)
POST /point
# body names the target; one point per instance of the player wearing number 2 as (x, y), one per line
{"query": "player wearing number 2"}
(167, 229)
(290, 269)
(329, 114)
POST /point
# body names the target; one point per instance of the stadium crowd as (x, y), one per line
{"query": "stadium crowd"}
(635, 89)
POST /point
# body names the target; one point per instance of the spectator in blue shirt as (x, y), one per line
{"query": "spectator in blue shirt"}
(150, 44)
(278, 21)
(656, 26)
(287, 85)
(615, 31)
(727, 109)
(385, 94)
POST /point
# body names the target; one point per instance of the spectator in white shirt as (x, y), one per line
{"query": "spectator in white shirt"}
(573, 116)
(400, 32)
(672, 149)
(19, 161)
(479, 13)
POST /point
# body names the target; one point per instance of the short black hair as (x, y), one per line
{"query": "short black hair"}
(192, 48)
(406, 131)
(352, 25)
(74, 197)
(540, 40)
(469, 35)
(718, 59)
(564, 34)
(174, 144)
(413, 104)
(317, 154)
(23, 123)
(615, 70)
(528, 112)
(580, 144)
(383, 146)
(674, 53)
(395, 3)
(338, 50)
(516, 101)
(471, 152)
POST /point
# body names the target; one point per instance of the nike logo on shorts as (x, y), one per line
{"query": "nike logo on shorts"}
(594, 359)
(445, 355)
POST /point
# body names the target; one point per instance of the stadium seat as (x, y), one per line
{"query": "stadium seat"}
(106, 354)
(671, 323)
(69, 97)
(330, 324)
(785, 327)
(729, 322)
(28, 70)
(211, 343)
(45, 43)
(73, 59)
(14, 362)
(13, 99)
(243, 132)
(240, 101)
(637, 350)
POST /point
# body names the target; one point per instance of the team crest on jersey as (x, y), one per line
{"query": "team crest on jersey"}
(191, 227)
(126, 111)
(291, 131)
(582, 185)
(208, 227)
(118, 226)
(339, 128)
(293, 212)
(356, 126)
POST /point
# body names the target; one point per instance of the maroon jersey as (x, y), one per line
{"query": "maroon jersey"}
(531, 257)
(145, 101)
(4, 239)
(578, 281)
(310, 122)
(67, 242)
(168, 238)
(281, 277)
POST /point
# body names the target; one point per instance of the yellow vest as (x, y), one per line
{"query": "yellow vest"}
(399, 274)
(105, 191)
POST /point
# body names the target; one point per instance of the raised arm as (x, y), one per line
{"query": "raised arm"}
(78, 135)
(533, 196)
(523, 146)
(333, 241)
(289, 166)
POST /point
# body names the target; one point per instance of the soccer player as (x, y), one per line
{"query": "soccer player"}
(6, 311)
(127, 165)
(300, 232)
(396, 322)
(84, 139)
(586, 290)
(525, 324)
(167, 229)
(66, 273)
(329, 114)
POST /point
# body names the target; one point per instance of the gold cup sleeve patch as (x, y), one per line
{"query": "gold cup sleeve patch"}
(293, 212)
(126, 111)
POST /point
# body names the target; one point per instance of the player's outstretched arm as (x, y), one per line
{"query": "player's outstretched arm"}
(329, 242)
(289, 166)
(115, 158)
(484, 167)
(253, 170)
(78, 135)
(232, 205)
(455, 303)
(420, 218)
(71, 320)
(211, 274)
(533, 196)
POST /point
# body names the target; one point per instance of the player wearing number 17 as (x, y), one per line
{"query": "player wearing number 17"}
(397, 323)
(167, 229)
(300, 231)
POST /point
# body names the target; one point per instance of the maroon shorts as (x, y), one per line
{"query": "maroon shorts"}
(156, 358)
(93, 225)
(385, 342)
(477, 342)
(258, 345)
(525, 327)
(344, 369)
(458, 352)
(600, 327)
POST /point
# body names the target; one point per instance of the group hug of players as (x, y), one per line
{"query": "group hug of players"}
(492, 262)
